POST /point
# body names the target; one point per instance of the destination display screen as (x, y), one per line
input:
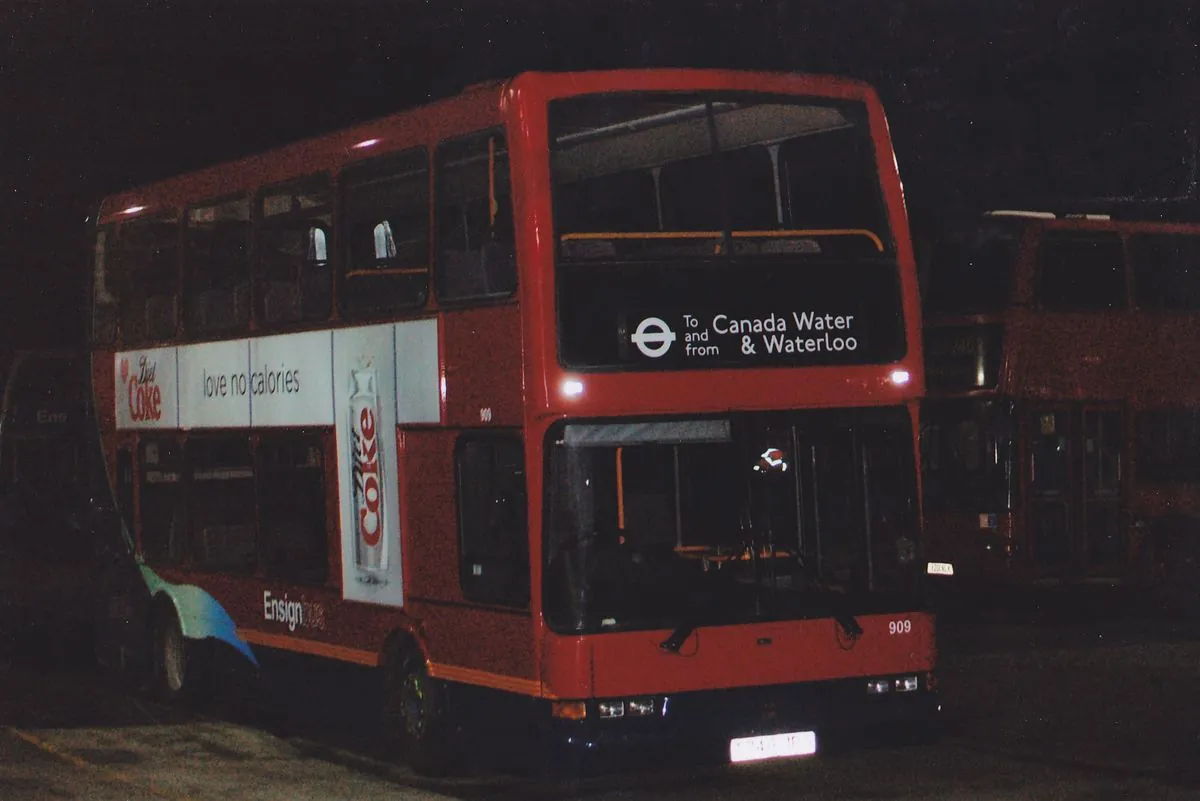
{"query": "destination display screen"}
(963, 357)
(687, 316)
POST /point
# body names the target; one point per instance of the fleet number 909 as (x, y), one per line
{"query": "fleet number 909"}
(899, 627)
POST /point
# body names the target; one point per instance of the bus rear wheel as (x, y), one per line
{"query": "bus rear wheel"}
(171, 657)
(416, 724)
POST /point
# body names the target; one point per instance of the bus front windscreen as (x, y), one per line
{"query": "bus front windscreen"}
(682, 522)
(967, 455)
(720, 230)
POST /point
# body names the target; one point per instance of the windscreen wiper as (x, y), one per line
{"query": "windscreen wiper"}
(849, 625)
(678, 637)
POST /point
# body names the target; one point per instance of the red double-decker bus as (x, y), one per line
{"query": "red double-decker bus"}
(582, 405)
(1062, 423)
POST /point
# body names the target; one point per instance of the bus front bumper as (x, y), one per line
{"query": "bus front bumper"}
(698, 727)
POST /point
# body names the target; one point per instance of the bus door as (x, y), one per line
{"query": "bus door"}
(1075, 491)
(1050, 530)
(1103, 540)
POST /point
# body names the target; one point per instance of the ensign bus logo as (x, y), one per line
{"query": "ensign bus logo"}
(143, 395)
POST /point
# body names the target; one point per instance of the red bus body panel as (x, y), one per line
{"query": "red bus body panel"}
(722, 657)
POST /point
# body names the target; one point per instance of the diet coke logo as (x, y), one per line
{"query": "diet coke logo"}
(143, 396)
(366, 478)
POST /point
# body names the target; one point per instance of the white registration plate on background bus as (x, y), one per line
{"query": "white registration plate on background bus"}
(771, 746)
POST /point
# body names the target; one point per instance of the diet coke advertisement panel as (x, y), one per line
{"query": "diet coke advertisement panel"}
(213, 392)
(291, 379)
(418, 371)
(354, 379)
(364, 386)
(146, 389)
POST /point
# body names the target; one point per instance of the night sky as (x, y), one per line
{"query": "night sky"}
(992, 103)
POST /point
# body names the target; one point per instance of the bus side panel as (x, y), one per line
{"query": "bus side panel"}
(456, 632)
(429, 523)
(483, 367)
(478, 645)
(295, 617)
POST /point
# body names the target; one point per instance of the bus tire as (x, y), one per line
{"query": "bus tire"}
(171, 679)
(416, 724)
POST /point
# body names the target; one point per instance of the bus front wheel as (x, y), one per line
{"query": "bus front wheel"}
(415, 716)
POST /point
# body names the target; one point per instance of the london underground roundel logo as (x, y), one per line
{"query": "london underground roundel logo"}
(653, 337)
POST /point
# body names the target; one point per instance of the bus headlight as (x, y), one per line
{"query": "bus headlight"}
(640, 707)
(612, 708)
(878, 686)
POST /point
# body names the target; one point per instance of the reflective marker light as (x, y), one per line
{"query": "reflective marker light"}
(907, 684)
(364, 144)
(572, 387)
(900, 377)
(939, 569)
(878, 686)
(133, 209)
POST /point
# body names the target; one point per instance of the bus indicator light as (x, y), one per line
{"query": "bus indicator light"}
(900, 377)
(367, 478)
(568, 710)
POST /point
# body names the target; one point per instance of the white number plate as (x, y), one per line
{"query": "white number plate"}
(790, 744)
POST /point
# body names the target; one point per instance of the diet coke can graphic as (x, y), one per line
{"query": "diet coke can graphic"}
(366, 476)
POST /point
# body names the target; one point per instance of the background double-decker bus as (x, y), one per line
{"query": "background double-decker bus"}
(1061, 433)
(581, 405)
(48, 557)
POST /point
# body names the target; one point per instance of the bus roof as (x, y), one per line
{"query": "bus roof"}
(477, 106)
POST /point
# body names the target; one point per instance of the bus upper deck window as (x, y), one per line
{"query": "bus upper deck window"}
(673, 174)
(1082, 272)
(104, 302)
(1164, 271)
(385, 233)
(476, 257)
(141, 277)
(293, 280)
(216, 266)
